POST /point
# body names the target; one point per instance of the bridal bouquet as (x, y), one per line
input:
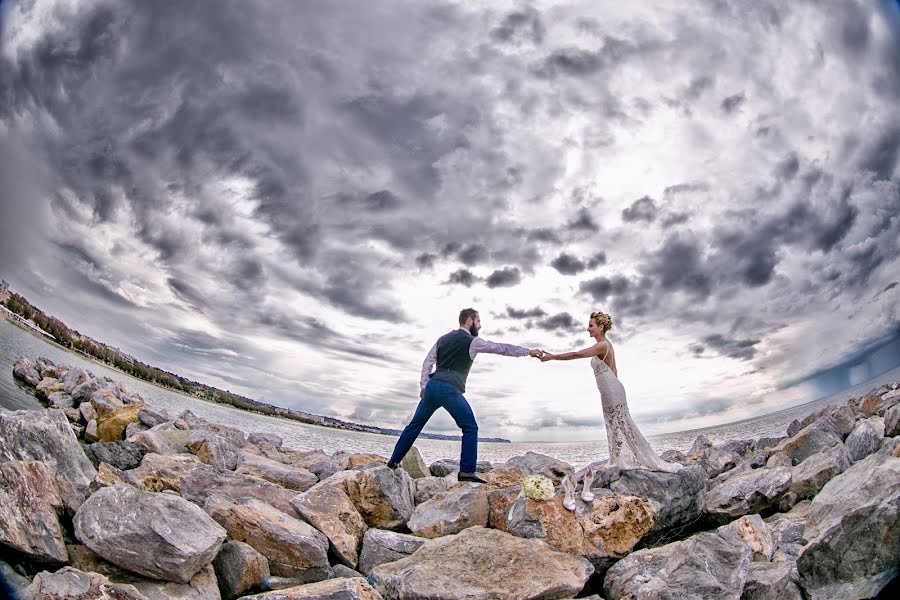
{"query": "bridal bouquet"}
(537, 487)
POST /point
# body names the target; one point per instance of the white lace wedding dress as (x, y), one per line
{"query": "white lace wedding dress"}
(627, 447)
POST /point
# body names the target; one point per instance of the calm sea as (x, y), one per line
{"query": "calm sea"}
(16, 343)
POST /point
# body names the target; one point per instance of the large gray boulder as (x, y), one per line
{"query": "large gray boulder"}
(429, 487)
(71, 584)
(292, 478)
(24, 370)
(29, 509)
(677, 497)
(808, 477)
(160, 472)
(214, 449)
(892, 421)
(711, 565)
(772, 581)
(294, 548)
(344, 588)
(865, 438)
(482, 564)
(413, 464)
(446, 466)
(269, 438)
(157, 535)
(446, 514)
(45, 436)
(381, 546)
(328, 508)
(854, 549)
(201, 482)
(122, 455)
(822, 433)
(163, 441)
(384, 497)
(533, 463)
(239, 569)
(749, 492)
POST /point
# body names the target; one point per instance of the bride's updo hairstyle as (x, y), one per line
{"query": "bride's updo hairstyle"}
(602, 320)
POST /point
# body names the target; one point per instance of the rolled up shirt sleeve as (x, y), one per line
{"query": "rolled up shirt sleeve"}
(427, 366)
(480, 345)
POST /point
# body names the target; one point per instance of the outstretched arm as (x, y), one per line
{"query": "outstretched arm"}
(595, 350)
(480, 345)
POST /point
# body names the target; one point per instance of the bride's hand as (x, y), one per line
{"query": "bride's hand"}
(546, 356)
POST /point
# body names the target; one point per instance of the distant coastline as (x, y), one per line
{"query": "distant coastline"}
(35, 322)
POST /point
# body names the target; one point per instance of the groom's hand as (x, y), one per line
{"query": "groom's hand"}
(536, 352)
(545, 357)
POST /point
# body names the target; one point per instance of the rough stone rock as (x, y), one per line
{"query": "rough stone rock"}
(43, 388)
(329, 509)
(292, 478)
(324, 468)
(240, 569)
(711, 565)
(75, 377)
(533, 463)
(503, 477)
(429, 487)
(343, 571)
(29, 509)
(869, 405)
(384, 497)
(108, 475)
(854, 549)
(232, 434)
(24, 370)
(201, 482)
(499, 503)
(812, 439)
(772, 581)
(60, 400)
(16, 584)
(865, 438)
(86, 390)
(793, 428)
(450, 513)
(72, 584)
(214, 450)
(749, 492)
(111, 428)
(157, 535)
(134, 429)
(90, 432)
(87, 411)
(381, 546)
(192, 420)
(152, 417)
(413, 464)
(892, 422)
(845, 419)
(808, 477)
(779, 459)
(444, 467)
(72, 414)
(293, 548)
(122, 455)
(45, 436)
(344, 588)
(677, 497)
(356, 461)
(163, 441)
(160, 472)
(482, 564)
(269, 438)
(105, 403)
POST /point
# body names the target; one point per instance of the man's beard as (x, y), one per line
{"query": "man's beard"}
(473, 330)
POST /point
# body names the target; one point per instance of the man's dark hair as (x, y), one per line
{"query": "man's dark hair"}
(466, 314)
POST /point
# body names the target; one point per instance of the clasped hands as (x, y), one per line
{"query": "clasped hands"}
(538, 353)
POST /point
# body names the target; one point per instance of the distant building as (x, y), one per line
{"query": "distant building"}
(4, 291)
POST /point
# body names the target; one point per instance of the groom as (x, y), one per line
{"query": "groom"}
(453, 354)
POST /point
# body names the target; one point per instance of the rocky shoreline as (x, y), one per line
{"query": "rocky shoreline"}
(105, 496)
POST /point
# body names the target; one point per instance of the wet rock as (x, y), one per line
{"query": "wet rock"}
(157, 535)
(30, 505)
(160, 472)
(482, 564)
(812, 439)
(72, 584)
(122, 455)
(677, 497)
(45, 436)
(330, 510)
(852, 527)
(413, 464)
(532, 463)
(203, 481)
(292, 547)
(429, 487)
(865, 438)
(750, 492)
(345, 588)
(381, 546)
(292, 478)
(269, 438)
(24, 370)
(214, 450)
(451, 513)
(808, 477)
(240, 569)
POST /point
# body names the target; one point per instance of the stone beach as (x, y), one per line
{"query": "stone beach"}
(104, 496)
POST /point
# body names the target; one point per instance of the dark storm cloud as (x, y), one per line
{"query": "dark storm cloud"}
(599, 258)
(463, 277)
(568, 264)
(679, 265)
(881, 157)
(733, 348)
(505, 277)
(560, 321)
(787, 168)
(529, 313)
(686, 188)
(580, 62)
(543, 235)
(524, 24)
(473, 254)
(642, 209)
(583, 222)
(733, 103)
(426, 260)
(187, 292)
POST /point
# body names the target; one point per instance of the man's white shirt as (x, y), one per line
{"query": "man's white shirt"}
(478, 346)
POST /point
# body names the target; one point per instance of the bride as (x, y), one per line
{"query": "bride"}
(627, 447)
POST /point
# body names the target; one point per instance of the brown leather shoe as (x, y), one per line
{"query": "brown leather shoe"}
(469, 477)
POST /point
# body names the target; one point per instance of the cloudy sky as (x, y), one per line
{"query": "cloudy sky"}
(292, 200)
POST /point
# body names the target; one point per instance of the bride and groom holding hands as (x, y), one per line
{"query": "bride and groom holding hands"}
(443, 384)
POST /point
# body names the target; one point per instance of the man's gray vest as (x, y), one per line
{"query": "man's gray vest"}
(453, 360)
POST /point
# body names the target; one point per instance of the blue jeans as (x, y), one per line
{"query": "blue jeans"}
(440, 394)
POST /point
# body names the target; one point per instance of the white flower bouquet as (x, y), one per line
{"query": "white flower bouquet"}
(537, 487)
